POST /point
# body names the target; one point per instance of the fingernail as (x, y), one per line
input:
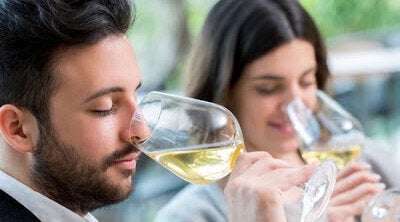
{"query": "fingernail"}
(316, 163)
(376, 176)
(366, 165)
(381, 185)
(313, 164)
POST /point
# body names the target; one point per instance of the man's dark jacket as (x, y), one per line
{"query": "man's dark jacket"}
(12, 211)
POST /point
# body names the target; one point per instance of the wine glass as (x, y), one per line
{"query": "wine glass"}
(200, 141)
(197, 140)
(326, 131)
(384, 207)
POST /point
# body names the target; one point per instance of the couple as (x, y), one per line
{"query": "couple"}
(69, 82)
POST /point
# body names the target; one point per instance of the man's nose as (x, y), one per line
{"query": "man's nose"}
(139, 130)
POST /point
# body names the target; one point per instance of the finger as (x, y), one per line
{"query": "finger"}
(257, 165)
(358, 193)
(352, 167)
(287, 178)
(247, 159)
(345, 212)
(354, 180)
(349, 210)
(266, 164)
(302, 174)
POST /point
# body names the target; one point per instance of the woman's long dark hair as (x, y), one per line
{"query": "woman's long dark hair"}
(237, 32)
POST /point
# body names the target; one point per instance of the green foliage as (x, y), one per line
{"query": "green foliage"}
(335, 17)
(196, 13)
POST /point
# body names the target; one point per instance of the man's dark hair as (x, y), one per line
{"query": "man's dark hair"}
(31, 32)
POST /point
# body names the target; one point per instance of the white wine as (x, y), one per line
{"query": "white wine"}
(341, 156)
(200, 165)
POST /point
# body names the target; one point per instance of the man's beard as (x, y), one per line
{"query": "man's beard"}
(77, 183)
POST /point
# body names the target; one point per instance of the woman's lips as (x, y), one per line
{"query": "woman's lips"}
(283, 128)
(128, 162)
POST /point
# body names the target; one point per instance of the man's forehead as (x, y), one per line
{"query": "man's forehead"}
(109, 63)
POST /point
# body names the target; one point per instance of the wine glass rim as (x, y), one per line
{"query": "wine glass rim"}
(192, 100)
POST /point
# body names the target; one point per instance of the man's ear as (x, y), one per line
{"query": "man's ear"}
(18, 127)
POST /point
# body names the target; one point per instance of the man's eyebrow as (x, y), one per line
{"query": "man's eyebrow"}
(106, 91)
(102, 93)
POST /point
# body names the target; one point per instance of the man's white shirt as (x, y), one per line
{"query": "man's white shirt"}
(45, 209)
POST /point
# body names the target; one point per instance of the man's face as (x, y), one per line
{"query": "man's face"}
(84, 160)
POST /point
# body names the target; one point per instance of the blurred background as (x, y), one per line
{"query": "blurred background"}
(363, 40)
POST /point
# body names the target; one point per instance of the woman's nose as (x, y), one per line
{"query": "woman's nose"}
(289, 96)
(139, 130)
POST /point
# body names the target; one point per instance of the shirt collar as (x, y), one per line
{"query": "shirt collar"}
(41, 206)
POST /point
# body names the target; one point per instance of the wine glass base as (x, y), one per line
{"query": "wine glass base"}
(318, 190)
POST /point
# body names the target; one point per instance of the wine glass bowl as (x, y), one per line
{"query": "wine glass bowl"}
(197, 140)
(326, 131)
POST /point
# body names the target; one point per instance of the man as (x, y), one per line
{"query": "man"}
(68, 84)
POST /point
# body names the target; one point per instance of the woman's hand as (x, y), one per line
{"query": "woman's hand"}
(355, 186)
(256, 184)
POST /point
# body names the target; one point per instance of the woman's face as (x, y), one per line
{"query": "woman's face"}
(267, 85)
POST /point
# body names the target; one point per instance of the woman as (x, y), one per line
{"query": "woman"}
(254, 57)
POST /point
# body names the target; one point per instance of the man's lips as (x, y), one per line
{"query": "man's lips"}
(128, 162)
